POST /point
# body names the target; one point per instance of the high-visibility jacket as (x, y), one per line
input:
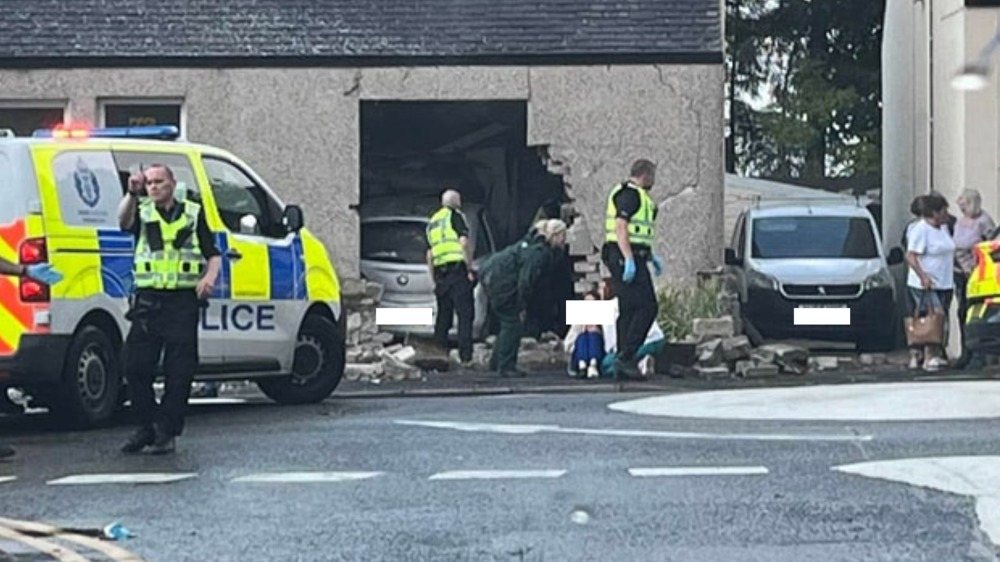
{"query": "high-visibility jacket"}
(443, 238)
(168, 254)
(642, 225)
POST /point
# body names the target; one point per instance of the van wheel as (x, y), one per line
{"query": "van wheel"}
(91, 382)
(317, 367)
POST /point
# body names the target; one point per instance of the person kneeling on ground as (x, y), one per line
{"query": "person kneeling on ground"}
(585, 344)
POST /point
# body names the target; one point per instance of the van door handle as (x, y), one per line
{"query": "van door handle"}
(233, 254)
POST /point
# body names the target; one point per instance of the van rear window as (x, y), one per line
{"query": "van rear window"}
(89, 188)
(13, 199)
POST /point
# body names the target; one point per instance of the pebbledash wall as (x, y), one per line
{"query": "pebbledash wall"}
(299, 128)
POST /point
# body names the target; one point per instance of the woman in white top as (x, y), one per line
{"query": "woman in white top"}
(930, 253)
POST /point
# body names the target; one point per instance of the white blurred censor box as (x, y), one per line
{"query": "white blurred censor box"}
(805, 316)
(404, 316)
(590, 312)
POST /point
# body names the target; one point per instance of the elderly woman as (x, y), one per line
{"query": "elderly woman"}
(930, 253)
(973, 227)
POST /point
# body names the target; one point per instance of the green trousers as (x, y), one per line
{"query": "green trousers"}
(504, 356)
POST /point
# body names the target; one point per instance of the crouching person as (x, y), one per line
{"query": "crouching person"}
(585, 344)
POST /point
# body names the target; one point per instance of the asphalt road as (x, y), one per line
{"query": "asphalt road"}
(514, 477)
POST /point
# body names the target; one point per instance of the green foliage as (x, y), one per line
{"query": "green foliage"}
(678, 308)
(818, 65)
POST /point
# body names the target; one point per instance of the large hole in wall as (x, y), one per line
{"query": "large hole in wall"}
(412, 150)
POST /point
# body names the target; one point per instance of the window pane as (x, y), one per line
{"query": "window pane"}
(24, 121)
(141, 115)
(236, 195)
(813, 237)
(89, 188)
(394, 241)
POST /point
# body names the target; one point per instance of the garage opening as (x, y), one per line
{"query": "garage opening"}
(412, 150)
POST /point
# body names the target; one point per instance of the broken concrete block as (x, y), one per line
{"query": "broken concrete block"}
(764, 355)
(354, 354)
(584, 267)
(594, 258)
(824, 363)
(405, 354)
(713, 372)
(374, 291)
(750, 369)
(383, 338)
(707, 328)
(872, 359)
(351, 288)
(790, 358)
(353, 321)
(528, 344)
(710, 353)
(359, 370)
(736, 348)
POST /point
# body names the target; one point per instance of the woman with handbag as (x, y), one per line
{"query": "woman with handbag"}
(930, 255)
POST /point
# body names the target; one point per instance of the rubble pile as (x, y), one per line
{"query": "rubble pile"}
(370, 357)
(723, 353)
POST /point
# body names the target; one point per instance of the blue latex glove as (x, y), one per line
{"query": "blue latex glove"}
(658, 265)
(43, 272)
(629, 274)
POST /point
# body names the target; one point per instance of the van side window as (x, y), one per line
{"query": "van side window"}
(129, 162)
(88, 187)
(238, 197)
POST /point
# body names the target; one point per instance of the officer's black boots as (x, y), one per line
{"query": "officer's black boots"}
(163, 443)
(139, 440)
(627, 370)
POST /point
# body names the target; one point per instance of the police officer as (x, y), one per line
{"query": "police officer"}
(173, 244)
(43, 273)
(630, 226)
(449, 259)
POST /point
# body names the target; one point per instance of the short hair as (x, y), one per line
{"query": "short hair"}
(642, 167)
(170, 173)
(553, 227)
(451, 198)
(917, 206)
(932, 204)
(975, 201)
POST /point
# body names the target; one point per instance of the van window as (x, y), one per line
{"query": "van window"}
(88, 187)
(13, 200)
(395, 241)
(813, 237)
(236, 195)
(129, 162)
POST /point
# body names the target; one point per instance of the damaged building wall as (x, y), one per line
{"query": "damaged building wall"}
(299, 129)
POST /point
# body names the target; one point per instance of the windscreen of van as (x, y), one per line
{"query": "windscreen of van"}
(396, 241)
(13, 200)
(813, 237)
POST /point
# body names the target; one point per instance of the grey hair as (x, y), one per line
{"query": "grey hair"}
(451, 198)
(975, 201)
(554, 227)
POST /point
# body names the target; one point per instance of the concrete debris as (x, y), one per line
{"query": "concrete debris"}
(872, 359)
(790, 358)
(585, 267)
(712, 373)
(750, 369)
(708, 328)
(363, 371)
(404, 355)
(383, 338)
(710, 353)
(528, 344)
(736, 348)
(824, 363)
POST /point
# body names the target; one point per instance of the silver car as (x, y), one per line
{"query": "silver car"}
(394, 254)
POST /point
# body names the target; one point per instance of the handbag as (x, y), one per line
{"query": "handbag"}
(925, 330)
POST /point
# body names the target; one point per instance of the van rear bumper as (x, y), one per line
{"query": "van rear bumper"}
(39, 360)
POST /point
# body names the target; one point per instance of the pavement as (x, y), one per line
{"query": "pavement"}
(536, 476)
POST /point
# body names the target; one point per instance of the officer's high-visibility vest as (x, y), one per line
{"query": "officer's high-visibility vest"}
(167, 255)
(642, 225)
(443, 239)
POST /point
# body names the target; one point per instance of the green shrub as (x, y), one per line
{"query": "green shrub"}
(678, 307)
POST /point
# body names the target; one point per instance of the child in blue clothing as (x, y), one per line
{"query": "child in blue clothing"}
(585, 344)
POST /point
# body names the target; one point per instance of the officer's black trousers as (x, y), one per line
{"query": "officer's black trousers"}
(636, 301)
(165, 322)
(454, 295)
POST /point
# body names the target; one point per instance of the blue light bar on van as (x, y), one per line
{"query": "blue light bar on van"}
(158, 132)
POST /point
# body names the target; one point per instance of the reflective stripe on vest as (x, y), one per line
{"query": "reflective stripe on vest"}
(443, 239)
(168, 267)
(642, 225)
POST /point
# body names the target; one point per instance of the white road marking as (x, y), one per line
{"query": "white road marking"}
(849, 402)
(306, 477)
(974, 476)
(585, 312)
(496, 474)
(698, 471)
(404, 316)
(5, 479)
(216, 401)
(136, 478)
(519, 429)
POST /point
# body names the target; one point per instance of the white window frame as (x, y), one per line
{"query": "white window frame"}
(103, 103)
(30, 103)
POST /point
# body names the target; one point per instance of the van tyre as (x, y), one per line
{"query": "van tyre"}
(91, 383)
(317, 367)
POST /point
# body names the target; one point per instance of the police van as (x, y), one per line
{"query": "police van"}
(274, 316)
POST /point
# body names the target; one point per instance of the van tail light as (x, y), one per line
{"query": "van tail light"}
(31, 252)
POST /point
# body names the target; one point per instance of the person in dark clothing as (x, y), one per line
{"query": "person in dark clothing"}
(630, 229)
(547, 304)
(508, 278)
(171, 280)
(449, 258)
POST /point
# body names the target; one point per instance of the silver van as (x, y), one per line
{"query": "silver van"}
(795, 256)
(394, 254)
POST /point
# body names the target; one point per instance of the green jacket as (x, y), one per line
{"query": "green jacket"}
(510, 275)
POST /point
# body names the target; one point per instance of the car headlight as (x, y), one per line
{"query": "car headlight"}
(759, 280)
(880, 280)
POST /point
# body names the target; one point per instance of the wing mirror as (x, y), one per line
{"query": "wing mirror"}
(293, 218)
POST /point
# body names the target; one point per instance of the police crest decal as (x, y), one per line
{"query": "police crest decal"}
(86, 184)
